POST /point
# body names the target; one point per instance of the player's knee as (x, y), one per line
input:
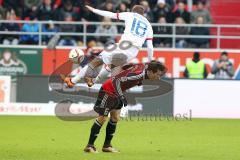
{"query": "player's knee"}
(115, 118)
(102, 119)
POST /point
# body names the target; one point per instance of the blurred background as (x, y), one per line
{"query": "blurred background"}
(198, 40)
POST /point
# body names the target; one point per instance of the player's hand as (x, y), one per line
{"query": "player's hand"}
(124, 100)
(67, 80)
(89, 8)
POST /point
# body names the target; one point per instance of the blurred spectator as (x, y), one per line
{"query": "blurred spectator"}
(201, 11)
(123, 7)
(106, 28)
(196, 1)
(16, 5)
(152, 3)
(181, 30)
(32, 3)
(199, 30)
(8, 27)
(80, 9)
(30, 8)
(162, 10)
(171, 3)
(183, 1)
(81, 3)
(2, 13)
(161, 30)
(148, 13)
(128, 2)
(45, 10)
(68, 40)
(196, 68)
(67, 8)
(223, 68)
(2, 16)
(117, 2)
(30, 27)
(111, 5)
(107, 6)
(89, 16)
(50, 27)
(182, 12)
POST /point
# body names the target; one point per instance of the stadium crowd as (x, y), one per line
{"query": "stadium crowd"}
(156, 11)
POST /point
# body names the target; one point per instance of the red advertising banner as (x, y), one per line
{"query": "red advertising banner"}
(174, 60)
(5, 89)
(52, 59)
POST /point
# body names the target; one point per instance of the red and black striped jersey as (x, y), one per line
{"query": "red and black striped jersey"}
(130, 76)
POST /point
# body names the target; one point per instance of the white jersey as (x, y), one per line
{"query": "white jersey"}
(137, 28)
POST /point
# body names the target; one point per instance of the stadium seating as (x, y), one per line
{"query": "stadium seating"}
(226, 12)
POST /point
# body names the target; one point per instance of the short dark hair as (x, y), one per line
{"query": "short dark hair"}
(155, 66)
(196, 55)
(138, 9)
(201, 2)
(224, 53)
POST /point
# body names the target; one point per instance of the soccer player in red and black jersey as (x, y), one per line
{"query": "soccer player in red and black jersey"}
(111, 99)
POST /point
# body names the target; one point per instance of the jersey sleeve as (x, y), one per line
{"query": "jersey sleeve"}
(117, 86)
(118, 16)
(130, 77)
(122, 16)
(150, 44)
(150, 50)
(150, 33)
(135, 76)
(105, 13)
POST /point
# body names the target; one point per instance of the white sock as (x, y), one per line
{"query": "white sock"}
(102, 74)
(80, 75)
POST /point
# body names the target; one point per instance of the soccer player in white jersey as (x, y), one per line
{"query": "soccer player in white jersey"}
(137, 30)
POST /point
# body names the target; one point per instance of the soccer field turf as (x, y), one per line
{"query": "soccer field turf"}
(46, 138)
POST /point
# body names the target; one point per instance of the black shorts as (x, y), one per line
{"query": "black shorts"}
(106, 103)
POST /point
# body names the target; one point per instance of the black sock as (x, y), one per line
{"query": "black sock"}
(110, 130)
(94, 132)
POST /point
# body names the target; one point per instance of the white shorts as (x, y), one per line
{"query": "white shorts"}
(129, 53)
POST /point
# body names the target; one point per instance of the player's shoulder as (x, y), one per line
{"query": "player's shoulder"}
(141, 17)
(127, 14)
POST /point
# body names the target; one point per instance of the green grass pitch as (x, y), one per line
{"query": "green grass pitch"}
(48, 138)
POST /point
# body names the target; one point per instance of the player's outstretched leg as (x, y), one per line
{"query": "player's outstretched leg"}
(97, 125)
(115, 62)
(92, 67)
(102, 74)
(110, 131)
